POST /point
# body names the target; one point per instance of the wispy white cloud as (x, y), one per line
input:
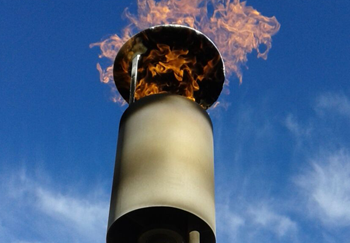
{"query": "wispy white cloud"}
(326, 186)
(48, 211)
(310, 128)
(321, 192)
(22, 241)
(298, 130)
(270, 220)
(255, 221)
(85, 215)
(333, 102)
(229, 222)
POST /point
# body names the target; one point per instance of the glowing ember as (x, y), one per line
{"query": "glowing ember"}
(235, 28)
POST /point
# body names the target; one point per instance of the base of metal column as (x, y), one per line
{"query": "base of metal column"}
(161, 236)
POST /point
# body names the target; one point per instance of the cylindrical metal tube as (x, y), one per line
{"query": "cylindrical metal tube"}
(194, 237)
(164, 173)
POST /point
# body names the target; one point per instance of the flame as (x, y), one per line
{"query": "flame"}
(163, 61)
(171, 59)
(235, 28)
(109, 49)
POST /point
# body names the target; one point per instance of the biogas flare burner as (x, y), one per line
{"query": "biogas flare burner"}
(163, 185)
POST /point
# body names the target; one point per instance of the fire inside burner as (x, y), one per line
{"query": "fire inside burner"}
(170, 59)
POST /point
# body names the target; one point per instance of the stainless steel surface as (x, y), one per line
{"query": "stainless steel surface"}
(178, 37)
(194, 237)
(133, 81)
(164, 172)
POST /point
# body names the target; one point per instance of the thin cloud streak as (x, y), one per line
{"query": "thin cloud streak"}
(295, 128)
(326, 186)
(80, 218)
(265, 217)
(321, 160)
(255, 221)
(333, 103)
(318, 197)
(229, 223)
(80, 213)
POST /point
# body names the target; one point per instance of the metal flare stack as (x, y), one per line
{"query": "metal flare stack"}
(163, 186)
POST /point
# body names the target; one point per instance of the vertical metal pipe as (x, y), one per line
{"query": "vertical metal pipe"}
(164, 174)
(133, 80)
(194, 237)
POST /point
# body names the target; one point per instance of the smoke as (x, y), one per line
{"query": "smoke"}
(235, 28)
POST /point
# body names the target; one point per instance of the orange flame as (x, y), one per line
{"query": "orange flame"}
(235, 28)
(167, 61)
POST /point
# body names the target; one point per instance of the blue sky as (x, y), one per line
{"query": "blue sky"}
(282, 155)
